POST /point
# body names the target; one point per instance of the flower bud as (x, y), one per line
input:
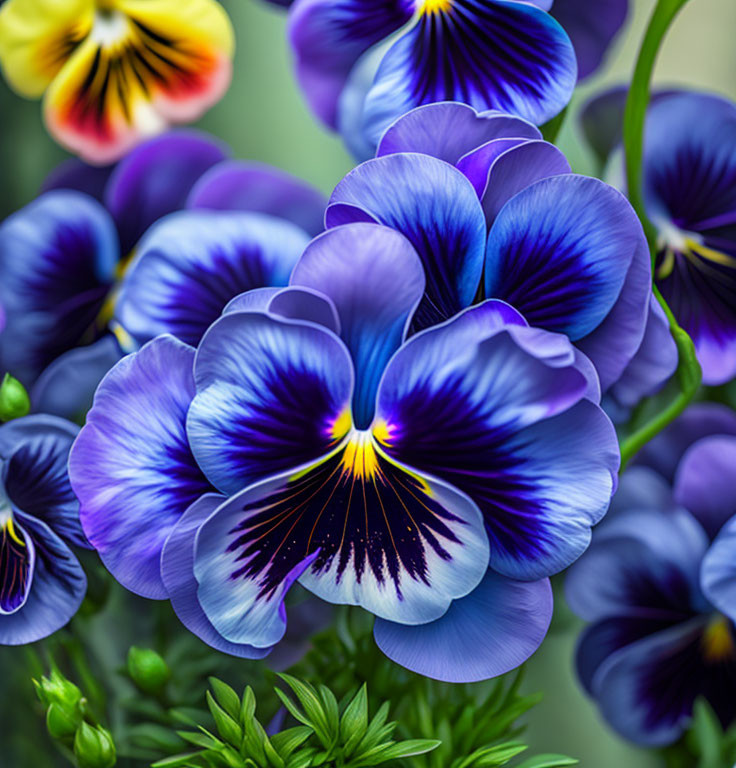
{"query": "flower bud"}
(56, 689)
(94, 747)
(14, 401)
(62, 722)
(148, 670)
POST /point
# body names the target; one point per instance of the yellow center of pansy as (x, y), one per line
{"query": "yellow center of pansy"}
(435, 6)
(718, 642)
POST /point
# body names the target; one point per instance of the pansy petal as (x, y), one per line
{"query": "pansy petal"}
(77, 175)
(504, 418)
(57, 589)
(559, 252)
(271, 394)
(131, 466)
(490, 54)
(144, 65)
(177, 572)
(37, 37)
(67, 387)
(367, 530)
(329, 37)
(156, 178)
(17, 563)
(640, 488)
(36, 450)
(192, 263)
(436, 208)
(642, 562)
(57, 263)
(718, 573)
(493, 630)
(501, 172)
(256, 187)
(704, 482)
(301, 303)
(448, 130)
(591, 27)
(376, 281)
(646, 691)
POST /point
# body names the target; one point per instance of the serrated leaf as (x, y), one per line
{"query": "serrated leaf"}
(226, 697)
(226, 726)
(549, 761)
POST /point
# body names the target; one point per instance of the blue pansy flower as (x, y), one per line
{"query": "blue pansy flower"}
(41, 581)
(690, 194)
(436, 481)
(62, 256)
(493, 210)
(658, 585)
(364, 63)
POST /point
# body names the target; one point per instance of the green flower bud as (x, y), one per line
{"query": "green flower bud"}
(94, 747)
(148, 670)
(14, 401)
(62, 723)
(56, 689)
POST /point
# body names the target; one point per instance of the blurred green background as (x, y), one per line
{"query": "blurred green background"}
(263, 117)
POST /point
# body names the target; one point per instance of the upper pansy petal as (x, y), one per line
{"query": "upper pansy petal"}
(493, 630)
(559, 252)
(156, 178)
(503, 417)
(591, 27)
(36, 39)
(436, 208)
(177, 572)
(364, 530)
(144, 65)
(375, 280)
(329, 37)
(302, 303)
(56, 592)
(490, 54)
(271, 394)
(448, 130)
(239, 186)
(131, 466)
(191, 264)
(704, 482)
(36, 450)
(57, 264)
(502, 174)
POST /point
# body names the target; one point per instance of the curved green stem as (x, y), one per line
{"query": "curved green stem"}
(688, 373)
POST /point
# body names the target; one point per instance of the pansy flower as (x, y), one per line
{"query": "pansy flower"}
(658, 585)
(41, 581)
(494, 211)
(115, 72)
(62, 257)
(363, 63)
(436, 481)
(690, 194)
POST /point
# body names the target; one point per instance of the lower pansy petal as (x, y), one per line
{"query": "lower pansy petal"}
(448, 130)
(35, 450)
(493, 630)
(559, 252)
(144, 64)
(56, 592)
(17, 562)
(260, 188)
(375, 280)
(718, 573)
(435, 207)
(496, 54)
(193, 263)
(131, 466)
(363, 529)
(177, 572)
(57, 264)
(156, 178)
(271, 394)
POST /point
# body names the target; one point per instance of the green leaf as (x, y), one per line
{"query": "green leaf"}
(226, 726)
(289, 740)
(226, 697)
(499, 754)
(177, 761)
(409, 748)
(706, 734)
(204, 739)
(548, 761)
(331, 710)
(354, 720)
(248, 709)
(316, 716)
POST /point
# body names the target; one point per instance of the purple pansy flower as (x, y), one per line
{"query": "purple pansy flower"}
(690, 194)
(658, 584)
(492, 209)
(62, 256)
(436, 481)
(41, 581)
(364, 63)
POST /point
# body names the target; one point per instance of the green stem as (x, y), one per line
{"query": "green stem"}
(688, 373)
